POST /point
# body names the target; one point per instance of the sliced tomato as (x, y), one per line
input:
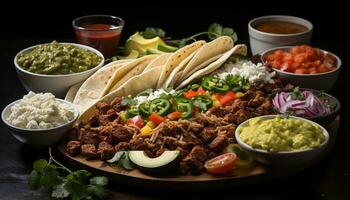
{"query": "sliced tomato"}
(229, 96)
(221, 164)
(157, 119)
(137, 120)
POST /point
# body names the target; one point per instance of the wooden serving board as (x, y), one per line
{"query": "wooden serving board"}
(254, 174)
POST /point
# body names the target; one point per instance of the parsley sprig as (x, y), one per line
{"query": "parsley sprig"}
(65, 183)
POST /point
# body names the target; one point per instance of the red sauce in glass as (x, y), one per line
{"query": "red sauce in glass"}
(101, 37)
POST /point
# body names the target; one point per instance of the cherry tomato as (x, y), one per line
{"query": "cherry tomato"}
(221, 164)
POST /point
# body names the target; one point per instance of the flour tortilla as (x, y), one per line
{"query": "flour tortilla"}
(216, 47)
(90, 91)
(176, 73)
(72, 92)
(176, 59)
(159, 61)
(132, 87)
(238, 49)
(195, 69)
(131, 69)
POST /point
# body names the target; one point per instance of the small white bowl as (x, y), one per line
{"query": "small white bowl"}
(39, 137)
(285, 158)
(56, 84)
(261, 41)
(320, 81)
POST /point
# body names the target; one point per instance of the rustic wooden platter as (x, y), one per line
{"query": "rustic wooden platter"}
(254, 174)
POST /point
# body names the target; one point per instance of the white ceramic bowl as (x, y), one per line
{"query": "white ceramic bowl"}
(39, 137)
(56, 84)
(286, 158)
(320, 81)
(261, 41)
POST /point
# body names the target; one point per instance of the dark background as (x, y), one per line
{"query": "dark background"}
(27, 23)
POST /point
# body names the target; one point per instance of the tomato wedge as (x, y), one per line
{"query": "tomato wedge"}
(221, 164)
(157, 119)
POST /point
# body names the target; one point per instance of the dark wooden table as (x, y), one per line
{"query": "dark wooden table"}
(329, 179)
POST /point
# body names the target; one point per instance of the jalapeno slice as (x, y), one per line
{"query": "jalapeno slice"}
(144, 109)
(215, 84)
(203, 102)
(160, 106)
(184, 106)
(132, 112)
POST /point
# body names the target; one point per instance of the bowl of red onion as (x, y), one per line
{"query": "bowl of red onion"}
(311, 104)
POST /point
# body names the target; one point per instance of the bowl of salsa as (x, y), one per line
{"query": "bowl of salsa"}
(278, 30)
(304, 66)
(101, 32)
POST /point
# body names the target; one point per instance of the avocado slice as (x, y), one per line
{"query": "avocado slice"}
(154, 51)
(166, 48)
(158, 164)
(138, 43)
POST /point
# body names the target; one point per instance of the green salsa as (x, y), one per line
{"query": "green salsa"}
(56, 58)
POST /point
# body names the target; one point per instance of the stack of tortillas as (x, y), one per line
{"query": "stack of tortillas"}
(175, 70)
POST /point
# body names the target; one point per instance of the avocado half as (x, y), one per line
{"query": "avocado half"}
(162, 163)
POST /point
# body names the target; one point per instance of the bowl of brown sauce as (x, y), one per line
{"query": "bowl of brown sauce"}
(278, 30)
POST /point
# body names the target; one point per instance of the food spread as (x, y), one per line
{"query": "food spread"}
(281, 134)
(171, 106)
(40, 111)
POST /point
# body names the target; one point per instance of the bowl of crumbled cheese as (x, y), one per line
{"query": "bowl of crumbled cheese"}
(39, 119)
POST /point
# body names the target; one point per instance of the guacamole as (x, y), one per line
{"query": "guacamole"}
(55, 58)
(281, 134)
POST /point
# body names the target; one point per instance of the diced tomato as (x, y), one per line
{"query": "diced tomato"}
(217, 96)
(201, 90)
(301, 71)
(303, 56)
(323, 69)
(189, 94)
(155, 118)
(174, 115)
(229, 96)
(137, 120)
(221, 164)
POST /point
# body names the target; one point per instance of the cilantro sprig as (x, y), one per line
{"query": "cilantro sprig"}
(215, 30)
(65, 183)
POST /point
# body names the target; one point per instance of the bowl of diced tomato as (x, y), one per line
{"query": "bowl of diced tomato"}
(304, 66)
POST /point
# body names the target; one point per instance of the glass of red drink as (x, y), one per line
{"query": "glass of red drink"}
(101, 32)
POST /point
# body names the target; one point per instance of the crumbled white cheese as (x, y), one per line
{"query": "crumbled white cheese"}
(153, 95)
(255, 74)
(40, 111)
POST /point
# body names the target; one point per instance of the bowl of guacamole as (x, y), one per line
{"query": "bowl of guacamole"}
(282, 140)
(54, 67)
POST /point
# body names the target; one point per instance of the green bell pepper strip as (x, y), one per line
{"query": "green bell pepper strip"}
(144, 109)
(214, 84)
(203, 102)
(184, 106)
(160, 106)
